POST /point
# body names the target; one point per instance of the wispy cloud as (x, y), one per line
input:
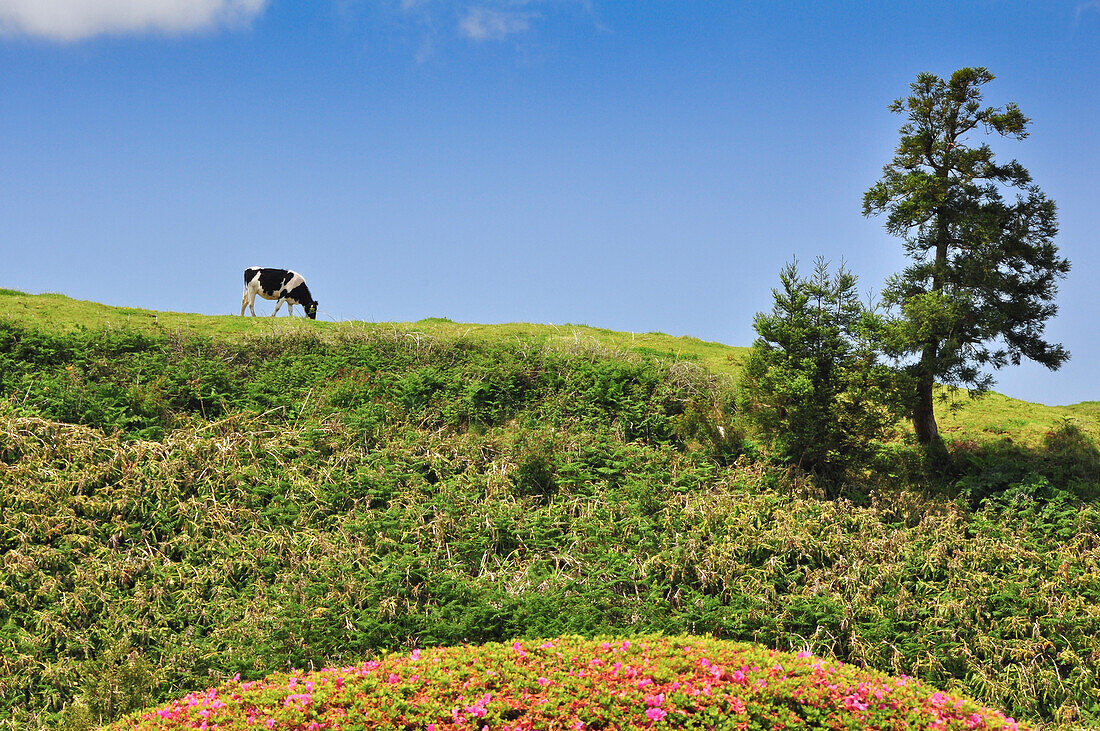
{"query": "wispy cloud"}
(484, 23)
(1086, 7)
(430, 27)
(71, 20)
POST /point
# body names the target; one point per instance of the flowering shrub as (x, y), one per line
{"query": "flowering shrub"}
(577, 684)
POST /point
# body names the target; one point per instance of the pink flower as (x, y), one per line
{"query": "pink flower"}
(544, 682)
(415, 654)
(655, 700)
(656, 714)
(478, 708)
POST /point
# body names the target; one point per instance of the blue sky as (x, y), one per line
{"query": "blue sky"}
(639, 166)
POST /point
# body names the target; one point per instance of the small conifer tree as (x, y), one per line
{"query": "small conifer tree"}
(813, 384)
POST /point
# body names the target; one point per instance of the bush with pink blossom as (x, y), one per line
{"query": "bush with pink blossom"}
(646, 682)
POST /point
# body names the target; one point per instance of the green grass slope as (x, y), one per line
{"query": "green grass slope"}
(59, 313)
(187, 498)
(991, 418)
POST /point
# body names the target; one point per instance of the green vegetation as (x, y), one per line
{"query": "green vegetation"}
(182, 504)
(965, 418)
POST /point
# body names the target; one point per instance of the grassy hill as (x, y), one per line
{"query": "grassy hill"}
(59, 313)
(189, 497)
(991, 418)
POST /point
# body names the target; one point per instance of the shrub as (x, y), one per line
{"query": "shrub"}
(570, 683)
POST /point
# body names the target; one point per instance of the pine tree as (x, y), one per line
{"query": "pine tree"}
(813, 384)
(984, 274)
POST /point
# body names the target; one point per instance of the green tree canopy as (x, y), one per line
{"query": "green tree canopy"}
(983, 279)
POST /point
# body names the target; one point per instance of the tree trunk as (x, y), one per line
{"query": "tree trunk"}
(924, 420)
(924, 417)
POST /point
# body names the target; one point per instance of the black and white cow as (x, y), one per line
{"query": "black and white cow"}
(277, 284)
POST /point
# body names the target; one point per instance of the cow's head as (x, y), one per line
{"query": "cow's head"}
(311, 310)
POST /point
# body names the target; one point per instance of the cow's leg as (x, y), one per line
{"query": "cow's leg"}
(278, 304)
(245, 302)
(289, 309)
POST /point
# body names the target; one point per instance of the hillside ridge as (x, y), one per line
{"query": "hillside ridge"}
(994, 416)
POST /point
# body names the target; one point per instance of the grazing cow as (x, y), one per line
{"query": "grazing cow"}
(277, 284)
